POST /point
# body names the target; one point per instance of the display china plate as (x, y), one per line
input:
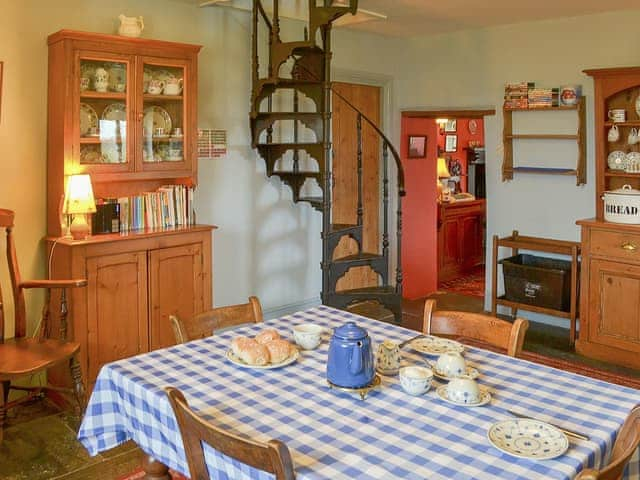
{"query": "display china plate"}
(469, 373)
(617, 160)
(485, 397)
(436, 346)
(88, 119)
(156, 117)
(524, 438)
(235, 360)
(115, 111)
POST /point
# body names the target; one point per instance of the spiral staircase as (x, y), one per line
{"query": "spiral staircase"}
(291, 129)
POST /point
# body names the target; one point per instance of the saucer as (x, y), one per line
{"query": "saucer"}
(469, 373)
(485, 397)
(527, 438)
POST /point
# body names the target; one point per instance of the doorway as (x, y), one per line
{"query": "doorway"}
(444, 236)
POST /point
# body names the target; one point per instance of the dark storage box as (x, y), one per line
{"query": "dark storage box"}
(540, 281)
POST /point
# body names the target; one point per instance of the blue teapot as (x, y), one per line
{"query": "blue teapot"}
(350, 363)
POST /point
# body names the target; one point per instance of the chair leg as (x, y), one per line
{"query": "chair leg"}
(78, 383)
(4, 396)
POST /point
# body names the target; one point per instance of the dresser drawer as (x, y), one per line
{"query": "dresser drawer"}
(622, 245)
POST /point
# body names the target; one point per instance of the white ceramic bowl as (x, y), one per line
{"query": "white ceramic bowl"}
(416, 380)
(463, 390)
(451, 364)
(308, 335)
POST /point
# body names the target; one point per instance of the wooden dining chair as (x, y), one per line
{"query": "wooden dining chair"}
(485, 329)
(272, 457)
(624, 447)
(204, 324)
(22, 356)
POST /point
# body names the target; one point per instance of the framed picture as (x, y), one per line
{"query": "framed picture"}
(417, 146)
(450, 143)
(450, 126)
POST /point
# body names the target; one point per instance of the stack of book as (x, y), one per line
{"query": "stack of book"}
(543, 97)
(516, 95)
(169, 206)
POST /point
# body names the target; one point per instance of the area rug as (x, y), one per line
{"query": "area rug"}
(471, 284)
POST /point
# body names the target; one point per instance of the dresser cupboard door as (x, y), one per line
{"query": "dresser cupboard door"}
(116, 308)
(176, 286)
(471, 241)
(614, 306)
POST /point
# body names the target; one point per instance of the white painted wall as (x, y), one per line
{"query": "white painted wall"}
(470, 69)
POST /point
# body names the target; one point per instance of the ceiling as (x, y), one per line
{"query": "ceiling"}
(407, 18)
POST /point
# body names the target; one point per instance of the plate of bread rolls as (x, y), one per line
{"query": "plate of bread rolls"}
(267, 350)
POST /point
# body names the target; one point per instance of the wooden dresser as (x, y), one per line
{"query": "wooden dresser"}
(460, 237)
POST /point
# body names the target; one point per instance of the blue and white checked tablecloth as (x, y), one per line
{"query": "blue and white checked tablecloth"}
(334, 435)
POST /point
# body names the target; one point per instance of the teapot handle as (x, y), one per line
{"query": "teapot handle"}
(355, 365)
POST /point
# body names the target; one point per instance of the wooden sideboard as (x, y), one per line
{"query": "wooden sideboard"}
(460, 237)
(610, 293)
(135, 282)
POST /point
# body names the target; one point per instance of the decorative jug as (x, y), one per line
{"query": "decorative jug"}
(350, 361)
(130, 26)
(388, 359)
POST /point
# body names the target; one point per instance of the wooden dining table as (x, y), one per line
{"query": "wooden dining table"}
(334, 434)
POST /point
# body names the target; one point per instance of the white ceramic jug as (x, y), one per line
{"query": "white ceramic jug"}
(130, 26)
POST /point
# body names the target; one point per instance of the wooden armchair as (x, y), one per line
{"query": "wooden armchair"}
(476, 326)
(203, 324)
(22, 356)
(626, 444)
(272, 457)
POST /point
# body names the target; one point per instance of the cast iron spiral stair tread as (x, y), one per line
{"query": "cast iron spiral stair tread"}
(341, 227)
(315, 201)
(363, 257)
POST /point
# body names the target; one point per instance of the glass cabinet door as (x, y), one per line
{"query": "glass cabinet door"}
(104, 113)
(163, 127)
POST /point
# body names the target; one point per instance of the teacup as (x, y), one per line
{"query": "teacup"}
(614, 134)
(632, 139)
(617, 115)
(155, 87)
(308, 335)
(463, 390)
(120, 87)
(451, 364)
(173, 86)
(158, 131)
(416, 380)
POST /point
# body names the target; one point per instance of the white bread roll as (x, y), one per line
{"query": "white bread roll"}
(279, 350)
(239, 344)
(267, 335)
(255, 355)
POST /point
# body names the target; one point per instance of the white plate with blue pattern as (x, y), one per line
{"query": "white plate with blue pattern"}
(525, 438)
(435, 345)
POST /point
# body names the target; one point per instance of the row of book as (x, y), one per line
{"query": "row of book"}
(526, 95)
(169, 206)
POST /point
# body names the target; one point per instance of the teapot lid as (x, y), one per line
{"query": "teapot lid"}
(350, 331)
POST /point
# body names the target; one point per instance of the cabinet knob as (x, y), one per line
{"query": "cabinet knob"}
(629, 246)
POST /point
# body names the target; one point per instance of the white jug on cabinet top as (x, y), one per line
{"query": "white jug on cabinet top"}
(130, 26)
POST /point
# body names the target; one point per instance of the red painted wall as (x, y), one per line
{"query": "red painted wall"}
(419, 233)
(419, 242)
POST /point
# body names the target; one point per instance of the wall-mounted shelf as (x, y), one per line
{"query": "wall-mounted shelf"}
(580, 137)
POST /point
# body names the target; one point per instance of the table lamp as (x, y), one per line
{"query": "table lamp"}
(443, 174)
(79, 201)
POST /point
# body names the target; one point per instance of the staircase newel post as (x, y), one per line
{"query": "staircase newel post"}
(359, 159)
(326, 140)
(274, 36)
(385, 199)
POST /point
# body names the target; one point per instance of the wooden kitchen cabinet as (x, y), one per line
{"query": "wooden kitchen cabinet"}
(134, 284)
(610, 295)
(460, 237)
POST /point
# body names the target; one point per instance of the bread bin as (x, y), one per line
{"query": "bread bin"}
(622, 205)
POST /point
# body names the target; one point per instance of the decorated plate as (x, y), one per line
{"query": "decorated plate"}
(156, 117)
(436, 346)
(524, 438)
(88, 119)
(236, 361)
(485, 397)
(469, 373)
(115, 111)
(617, 160)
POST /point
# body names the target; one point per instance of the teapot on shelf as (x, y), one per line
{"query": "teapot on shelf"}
(350, 361)
(130, 26)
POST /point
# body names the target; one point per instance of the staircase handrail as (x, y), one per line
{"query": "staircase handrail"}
(263, 12)
(394, 152)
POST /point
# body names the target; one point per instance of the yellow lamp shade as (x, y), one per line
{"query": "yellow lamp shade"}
(443, 171)
(79, 195)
